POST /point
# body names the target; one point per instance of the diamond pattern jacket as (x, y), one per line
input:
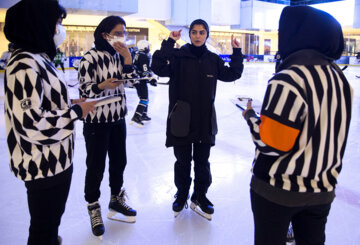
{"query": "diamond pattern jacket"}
(95, 67)
(39, 118)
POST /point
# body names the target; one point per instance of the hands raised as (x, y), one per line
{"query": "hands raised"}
(176, 35)
(235, 43)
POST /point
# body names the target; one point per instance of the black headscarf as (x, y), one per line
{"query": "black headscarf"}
(200, 22)
(304, 27)
(106, 25)
(31, 25)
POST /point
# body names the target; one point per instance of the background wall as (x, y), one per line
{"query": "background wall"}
(357, 14)
(154, 9)
(225, 12)
(183, 12)
(123, 6)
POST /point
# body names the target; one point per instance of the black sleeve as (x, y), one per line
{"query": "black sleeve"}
(236, 68)
(162, 58)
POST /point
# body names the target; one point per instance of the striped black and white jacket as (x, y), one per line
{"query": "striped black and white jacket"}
(39, 120)
(301, 134)
(95, 67)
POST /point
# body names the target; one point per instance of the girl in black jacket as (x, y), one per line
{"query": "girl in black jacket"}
(191, 123)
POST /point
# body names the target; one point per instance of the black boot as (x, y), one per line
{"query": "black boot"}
(205, 205)
(145, 117)
(180, 202)
(136, 120)
(97, 224)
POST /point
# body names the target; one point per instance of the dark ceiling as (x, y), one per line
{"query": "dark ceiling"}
(308, 2)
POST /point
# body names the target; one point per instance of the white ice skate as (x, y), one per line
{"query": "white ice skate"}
(198, 210)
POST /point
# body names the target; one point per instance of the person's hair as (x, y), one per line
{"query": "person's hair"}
(200, 22)
(31, 25)
(106, 25)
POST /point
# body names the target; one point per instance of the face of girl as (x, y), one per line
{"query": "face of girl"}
(117, 31)
(198, 35)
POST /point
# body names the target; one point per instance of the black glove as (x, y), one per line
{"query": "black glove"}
(153, 82)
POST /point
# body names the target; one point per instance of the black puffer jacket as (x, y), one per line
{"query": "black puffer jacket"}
(192, 89)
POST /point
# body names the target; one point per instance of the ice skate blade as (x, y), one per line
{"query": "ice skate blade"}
(176, 214)
(136, 124)
(113, 215)
(100, 237)
(197, 210)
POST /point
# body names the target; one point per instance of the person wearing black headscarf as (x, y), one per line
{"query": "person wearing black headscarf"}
(301, 135)
(39, 119)
(105, 130)
(191, 123)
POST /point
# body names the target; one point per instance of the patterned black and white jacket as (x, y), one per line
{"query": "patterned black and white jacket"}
(39, 119)
(95, 67)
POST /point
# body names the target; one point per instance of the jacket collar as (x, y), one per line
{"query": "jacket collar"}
(304, 57)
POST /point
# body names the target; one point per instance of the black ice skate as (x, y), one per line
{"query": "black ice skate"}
(202, 206)
(179, 203)
(97, 224)
(136, 121)
(290, 239)
(145, 117)
(119, 210)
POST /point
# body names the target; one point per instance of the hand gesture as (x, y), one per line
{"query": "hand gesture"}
(234, 42)
(176, 35)
(110, 83)
(124, 51)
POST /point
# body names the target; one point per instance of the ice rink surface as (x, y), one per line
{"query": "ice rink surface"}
(149, 178)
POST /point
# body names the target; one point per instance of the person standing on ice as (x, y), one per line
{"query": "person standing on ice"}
(39, 116)
(105, 130)
(141, 62)
(301, 135)
(191, 124)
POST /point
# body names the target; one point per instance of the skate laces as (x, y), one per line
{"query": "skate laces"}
(95, 216)
(122, 200)
(178, 199)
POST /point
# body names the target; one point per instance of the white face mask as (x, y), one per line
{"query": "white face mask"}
(60, 35)
(116, 39)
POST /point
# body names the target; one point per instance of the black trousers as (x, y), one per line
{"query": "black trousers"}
(272, 222)
(182, 168)
(100, 140)
(143, 93)
(46, 200)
